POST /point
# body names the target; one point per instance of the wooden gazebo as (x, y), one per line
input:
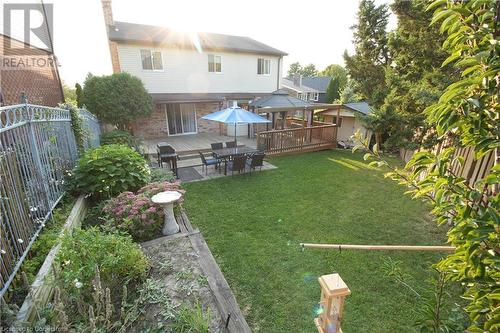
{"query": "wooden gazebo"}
(292, 128)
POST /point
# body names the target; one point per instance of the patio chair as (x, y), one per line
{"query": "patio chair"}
(257, 160)
(208, 161)
(237, 164)
(217, 145)
(166, 153)
(231, 144)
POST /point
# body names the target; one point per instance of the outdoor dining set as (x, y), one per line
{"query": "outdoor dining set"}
(235, 159)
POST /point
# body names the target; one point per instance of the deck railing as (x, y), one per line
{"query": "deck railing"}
(37, 147)
(297, 139)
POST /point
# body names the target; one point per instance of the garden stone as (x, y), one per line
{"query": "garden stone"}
(166, 200)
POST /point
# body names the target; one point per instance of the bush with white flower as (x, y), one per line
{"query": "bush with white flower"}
(119, 260)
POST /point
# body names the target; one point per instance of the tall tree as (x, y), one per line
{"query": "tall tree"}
(349, 93)
(333, 90)
(367, 66)
(309, 70)
(117, 99)
(297, 69)
(79, 95)
(337, 71)
(467, 118)
(294, 69)
(415, 77)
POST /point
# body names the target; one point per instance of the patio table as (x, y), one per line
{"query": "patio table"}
(228, 153)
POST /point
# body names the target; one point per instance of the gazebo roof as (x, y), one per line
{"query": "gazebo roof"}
(279, 99)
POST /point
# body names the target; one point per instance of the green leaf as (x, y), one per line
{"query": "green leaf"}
(451, 58)
(441, 15)
(435, 4)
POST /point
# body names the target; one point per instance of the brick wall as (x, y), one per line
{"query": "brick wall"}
(34, 74)
(155, 126)
(207, 126)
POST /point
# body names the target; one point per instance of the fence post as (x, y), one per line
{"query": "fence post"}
(39, 170)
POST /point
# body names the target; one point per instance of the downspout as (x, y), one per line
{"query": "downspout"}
(278, 74)
(52, 49)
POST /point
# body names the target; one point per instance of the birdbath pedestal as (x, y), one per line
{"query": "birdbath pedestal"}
(166, 200)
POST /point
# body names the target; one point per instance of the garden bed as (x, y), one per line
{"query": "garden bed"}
(176, 292)
(31, 276)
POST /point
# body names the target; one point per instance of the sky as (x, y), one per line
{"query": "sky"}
(312, 31)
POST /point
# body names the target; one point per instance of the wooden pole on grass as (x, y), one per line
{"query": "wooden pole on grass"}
(379, 247)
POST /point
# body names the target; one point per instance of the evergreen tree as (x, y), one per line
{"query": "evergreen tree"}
(333, 90)
(367, 66)
(415, 77)
(79, 95)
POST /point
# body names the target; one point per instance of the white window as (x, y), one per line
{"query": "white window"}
(214, 63)
(151, 60)
(313, 96)
(263, 66)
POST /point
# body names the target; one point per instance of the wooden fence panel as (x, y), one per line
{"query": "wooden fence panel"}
(471, 170)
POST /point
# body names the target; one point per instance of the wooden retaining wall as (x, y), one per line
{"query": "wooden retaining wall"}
(42, 290)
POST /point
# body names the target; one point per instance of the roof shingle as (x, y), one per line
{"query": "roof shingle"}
(160, 36)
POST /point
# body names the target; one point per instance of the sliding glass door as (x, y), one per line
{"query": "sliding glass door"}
(181, 118)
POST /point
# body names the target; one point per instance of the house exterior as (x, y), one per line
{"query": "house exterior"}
(348, 121)
(191, 75)
(312, 89)
(34, 74)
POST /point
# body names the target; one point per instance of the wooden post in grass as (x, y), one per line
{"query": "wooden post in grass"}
(341, 247)
(333, 293)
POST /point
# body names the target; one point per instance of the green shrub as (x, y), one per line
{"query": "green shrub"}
(119, 137)
(116, 137)
(162, 175)
(136, 213)
(109, 170)
(119, 260)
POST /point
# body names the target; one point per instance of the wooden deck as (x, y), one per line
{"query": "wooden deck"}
(195, 142)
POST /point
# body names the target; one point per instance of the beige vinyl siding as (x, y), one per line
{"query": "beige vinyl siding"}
(186, 71)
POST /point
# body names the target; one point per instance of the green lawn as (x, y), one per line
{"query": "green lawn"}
(253, 225)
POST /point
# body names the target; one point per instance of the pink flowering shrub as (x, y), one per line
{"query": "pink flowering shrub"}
(154, 188)
(136, 213)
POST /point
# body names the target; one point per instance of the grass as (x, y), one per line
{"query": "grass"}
(254, 224)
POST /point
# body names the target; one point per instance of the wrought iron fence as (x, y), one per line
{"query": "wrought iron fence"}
(91, 128)
(37, 147)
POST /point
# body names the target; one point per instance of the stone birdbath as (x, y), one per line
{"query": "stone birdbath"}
(166, 200)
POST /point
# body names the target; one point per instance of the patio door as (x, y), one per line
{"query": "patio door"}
(181, 119)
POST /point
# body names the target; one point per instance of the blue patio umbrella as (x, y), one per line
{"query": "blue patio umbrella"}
(234, 116)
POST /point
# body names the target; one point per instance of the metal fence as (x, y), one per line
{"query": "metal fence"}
(37, 147)
(91, 128)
